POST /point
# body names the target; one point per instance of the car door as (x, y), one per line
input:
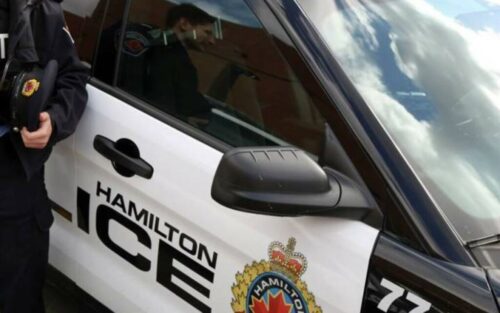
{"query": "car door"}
(138, 229)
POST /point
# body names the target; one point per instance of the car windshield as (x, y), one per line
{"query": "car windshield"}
(430, 72)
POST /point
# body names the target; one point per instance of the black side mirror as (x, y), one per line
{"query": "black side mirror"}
(285, 182)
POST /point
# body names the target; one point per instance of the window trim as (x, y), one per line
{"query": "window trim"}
(123, 28)
(99, 36)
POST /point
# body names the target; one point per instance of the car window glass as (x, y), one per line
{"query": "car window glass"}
(432, 83)
(85, 19)
(212, 65)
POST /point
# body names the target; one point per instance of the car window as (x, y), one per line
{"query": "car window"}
(433, 84)
(213, 66)
(82, 19)
(85, 19)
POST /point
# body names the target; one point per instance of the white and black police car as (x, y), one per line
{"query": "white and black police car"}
(258, 156)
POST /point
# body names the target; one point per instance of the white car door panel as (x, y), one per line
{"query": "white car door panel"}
(162, 244)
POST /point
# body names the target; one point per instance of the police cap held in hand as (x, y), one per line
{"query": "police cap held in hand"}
(27, 85)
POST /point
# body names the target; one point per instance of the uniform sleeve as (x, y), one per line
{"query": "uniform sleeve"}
(70, 96)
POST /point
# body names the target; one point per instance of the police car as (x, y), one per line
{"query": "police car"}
(283, 156)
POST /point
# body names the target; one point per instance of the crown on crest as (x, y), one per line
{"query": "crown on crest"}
(286, 261)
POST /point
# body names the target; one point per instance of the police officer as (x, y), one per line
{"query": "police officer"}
(32, 32)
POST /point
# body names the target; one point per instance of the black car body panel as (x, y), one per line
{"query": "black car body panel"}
(447, 287)
(494, 279)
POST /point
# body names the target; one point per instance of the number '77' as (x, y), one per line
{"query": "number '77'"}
(396, 293)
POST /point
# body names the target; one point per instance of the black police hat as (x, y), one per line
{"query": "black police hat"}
(30, 93)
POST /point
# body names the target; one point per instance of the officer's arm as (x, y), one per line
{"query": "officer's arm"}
(68, 103)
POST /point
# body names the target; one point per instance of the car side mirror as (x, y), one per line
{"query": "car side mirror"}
(285, 181)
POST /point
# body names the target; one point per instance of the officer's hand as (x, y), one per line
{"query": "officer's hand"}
(40, 137)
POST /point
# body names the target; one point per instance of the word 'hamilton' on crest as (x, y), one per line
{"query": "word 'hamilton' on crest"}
(275, 286)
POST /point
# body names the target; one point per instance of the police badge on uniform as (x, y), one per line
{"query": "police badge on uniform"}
(274, 286)
(135, 43)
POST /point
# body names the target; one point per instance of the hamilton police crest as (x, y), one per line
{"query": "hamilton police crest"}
(274, 286)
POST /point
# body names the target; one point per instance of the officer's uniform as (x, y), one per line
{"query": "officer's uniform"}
(25, 215)
(172, 80)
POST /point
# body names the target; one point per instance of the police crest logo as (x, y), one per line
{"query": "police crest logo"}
(30, 87)
(135, 43)
(274, 286)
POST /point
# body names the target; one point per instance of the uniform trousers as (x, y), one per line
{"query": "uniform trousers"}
(23, 243)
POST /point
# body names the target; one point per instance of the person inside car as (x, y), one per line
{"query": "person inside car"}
(172, 80)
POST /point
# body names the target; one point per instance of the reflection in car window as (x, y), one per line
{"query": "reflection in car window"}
(84, 18)
(232, 11)
(212, 65)
(433, 81)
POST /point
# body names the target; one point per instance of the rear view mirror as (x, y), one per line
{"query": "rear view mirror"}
(284, 182)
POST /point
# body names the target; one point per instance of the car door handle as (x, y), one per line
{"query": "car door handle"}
(124, 155)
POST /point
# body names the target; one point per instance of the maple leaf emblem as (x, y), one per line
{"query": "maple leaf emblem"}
(135, 45)
(277, 304)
